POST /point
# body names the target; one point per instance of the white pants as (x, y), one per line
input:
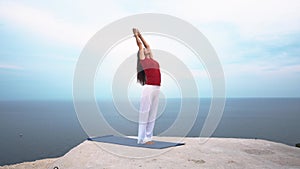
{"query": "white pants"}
(147, 113)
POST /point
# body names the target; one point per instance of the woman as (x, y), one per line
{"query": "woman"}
(148, 74)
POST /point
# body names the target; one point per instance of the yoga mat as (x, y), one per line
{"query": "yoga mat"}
(133, 142)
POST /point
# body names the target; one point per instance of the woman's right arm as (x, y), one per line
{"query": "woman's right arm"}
(139, 44)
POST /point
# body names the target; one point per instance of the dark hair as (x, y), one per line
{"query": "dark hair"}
(141, 76)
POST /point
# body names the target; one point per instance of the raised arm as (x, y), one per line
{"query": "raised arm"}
(147, 46)
(143, 40)
(139, 44)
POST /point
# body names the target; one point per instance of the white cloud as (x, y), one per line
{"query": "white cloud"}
(45, 23)
(253, 17)
(11, 67)
(261, 68)
(42, 23)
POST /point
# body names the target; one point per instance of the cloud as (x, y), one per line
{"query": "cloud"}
(45, 23)
(261, 68)
(11, 67)
(252, 38)
(252, 17)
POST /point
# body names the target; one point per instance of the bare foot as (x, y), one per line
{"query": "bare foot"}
(149, 142)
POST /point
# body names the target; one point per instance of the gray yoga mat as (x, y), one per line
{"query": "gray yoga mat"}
(133, 142)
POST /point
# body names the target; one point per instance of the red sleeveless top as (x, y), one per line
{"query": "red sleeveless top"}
(151, 68)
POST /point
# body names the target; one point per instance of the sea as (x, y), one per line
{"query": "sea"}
(32, 130)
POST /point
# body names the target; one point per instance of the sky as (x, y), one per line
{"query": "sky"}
(257, 42)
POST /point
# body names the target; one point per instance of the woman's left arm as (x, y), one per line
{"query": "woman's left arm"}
(147, 46)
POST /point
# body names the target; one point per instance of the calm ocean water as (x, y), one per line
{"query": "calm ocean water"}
(32, 130)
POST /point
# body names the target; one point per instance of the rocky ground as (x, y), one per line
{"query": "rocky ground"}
(215, 153)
